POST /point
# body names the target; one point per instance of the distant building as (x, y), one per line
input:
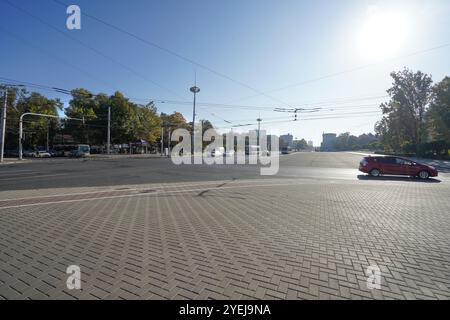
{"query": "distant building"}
(310, 144)
(287, 140)
(328, 142)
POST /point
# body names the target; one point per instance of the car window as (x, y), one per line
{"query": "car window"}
(403, 162)
(387, 160)
(407, 163)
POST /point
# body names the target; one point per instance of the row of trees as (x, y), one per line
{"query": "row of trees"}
(35, 130)
(417, 118)
(348, 142)
(129, 121)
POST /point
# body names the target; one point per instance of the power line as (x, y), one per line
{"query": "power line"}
(173, 53)
(13, 35)
(204, 104)
(308, 119)
(318, 116)
(332, 75)
(259, 93)
(98, 52)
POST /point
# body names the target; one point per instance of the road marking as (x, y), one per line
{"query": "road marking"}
(17, 171)
(35, 177)
(128, 189)
(145, 187)
(16, 174)
(152, 194)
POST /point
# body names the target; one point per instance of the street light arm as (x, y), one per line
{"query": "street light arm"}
(39, 115)
(47, 115)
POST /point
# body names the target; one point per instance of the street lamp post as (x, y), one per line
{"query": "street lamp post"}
(2, 148)
(194, 90)
(108, 143)
(3, 119)
(39, 115)
(170, 136)
(162, 140)
(259, 128)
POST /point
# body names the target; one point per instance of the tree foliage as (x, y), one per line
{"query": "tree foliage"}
(348, 142)
(300, 144)
(35, 128)
(417, 118)
(129, 121)
(439, 112)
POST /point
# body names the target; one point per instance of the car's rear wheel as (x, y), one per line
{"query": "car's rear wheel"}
(424, 175)
(375, 173)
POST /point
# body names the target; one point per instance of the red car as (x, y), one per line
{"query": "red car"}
(376, 166)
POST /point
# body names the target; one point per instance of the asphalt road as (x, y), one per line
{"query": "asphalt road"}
(64, 173)
(147, 229)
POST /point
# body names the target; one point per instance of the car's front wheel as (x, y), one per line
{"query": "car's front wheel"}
(424, 175)
(375, 173)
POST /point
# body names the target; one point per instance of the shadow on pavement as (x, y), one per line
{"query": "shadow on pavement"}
(396, 178)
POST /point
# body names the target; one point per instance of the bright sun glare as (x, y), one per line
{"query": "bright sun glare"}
(383, 34)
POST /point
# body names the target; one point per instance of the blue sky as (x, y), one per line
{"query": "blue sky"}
(265, 44)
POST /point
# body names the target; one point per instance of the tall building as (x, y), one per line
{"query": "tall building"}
(287, 140)
(328, 142)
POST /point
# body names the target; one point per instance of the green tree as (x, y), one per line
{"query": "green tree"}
(148, 123)
(174, 120)
(439, 113)
(81, 106)
(342, 141)
(301, 144)
(403, 126)
(12, 115)
(36, 128)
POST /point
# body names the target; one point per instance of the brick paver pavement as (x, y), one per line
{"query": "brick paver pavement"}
(262, 239)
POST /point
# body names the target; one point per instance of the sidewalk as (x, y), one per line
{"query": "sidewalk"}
(124, 156)
(91, 157)
(7, 161)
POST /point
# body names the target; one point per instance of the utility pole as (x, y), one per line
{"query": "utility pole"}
(194, 90)
(47, 143)
(34, 114)
(2, 148)
(108, 144)
(259, 128)
(3, 118)
(162, 141)
(170, 134)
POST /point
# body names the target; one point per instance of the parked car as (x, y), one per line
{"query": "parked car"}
(376, 166)
(218, 152)
(229, 153)
(42, 154)
(56, 153)
(28, 153)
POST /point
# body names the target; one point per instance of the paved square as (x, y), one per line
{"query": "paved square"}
(279, 238)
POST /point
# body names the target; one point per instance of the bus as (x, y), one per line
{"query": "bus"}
(72, 150)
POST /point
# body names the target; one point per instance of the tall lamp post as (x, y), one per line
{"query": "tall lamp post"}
(108, 138)
(3, 120)
(194, 90)
(2, 148)
(38, 115)
(259, 128)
